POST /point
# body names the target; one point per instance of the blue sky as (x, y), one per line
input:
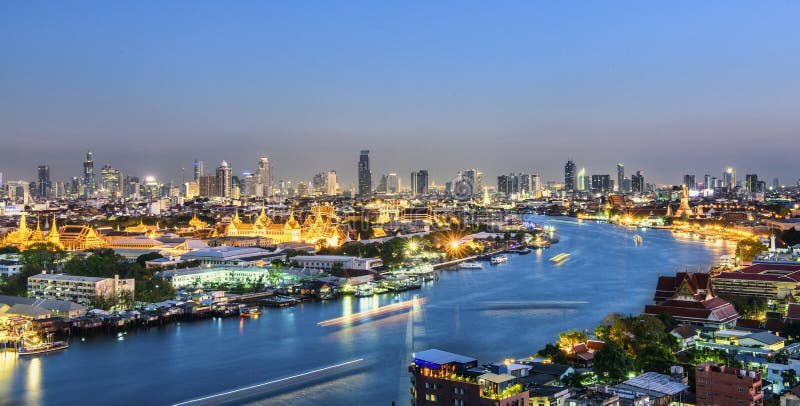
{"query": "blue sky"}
(665, 87)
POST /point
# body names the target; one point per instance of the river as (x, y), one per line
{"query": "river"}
(285, 357)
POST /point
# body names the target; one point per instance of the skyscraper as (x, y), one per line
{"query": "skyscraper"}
(88, 175)
(263, 178)
(569, 177)
(111, 180)
(364, 174)
(620, 177)
(43, 186)
(730, 178)
(637, 182)
(198, 170)
(419, 182)
(601, 183)
(707, 182)
(392, 184)
(689, 181)
(751, 183)
(223, 179)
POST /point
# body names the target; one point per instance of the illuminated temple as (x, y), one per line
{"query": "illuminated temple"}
(23, 238)
(321, 227)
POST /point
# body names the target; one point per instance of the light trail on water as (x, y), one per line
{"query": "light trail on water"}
(372, 312)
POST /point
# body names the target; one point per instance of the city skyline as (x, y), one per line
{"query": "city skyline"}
(656, 89)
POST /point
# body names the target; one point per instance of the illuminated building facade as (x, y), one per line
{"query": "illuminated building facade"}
(224, 181)
(23, 237)
(88, 175)
(321, 227)
(419, 182)
(43, 186)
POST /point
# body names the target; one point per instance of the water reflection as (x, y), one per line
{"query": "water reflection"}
(34, 382)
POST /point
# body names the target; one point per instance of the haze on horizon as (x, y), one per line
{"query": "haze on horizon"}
(668, 88)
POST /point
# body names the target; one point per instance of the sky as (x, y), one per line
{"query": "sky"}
(667, 87)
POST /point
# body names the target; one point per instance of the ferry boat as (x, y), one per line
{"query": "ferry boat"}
(43, 348)
(560, 257)
(470, 265)
(499, 259)
(249, 311)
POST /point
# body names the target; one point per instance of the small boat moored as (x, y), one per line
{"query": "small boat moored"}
(250, 311)
(43, 348)
(499, 259)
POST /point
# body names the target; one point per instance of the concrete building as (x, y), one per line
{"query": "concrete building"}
(442, 378)
(79, 289)
(721, 385)
(327, 262)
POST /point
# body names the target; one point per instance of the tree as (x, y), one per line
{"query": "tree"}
(789, 377)
(567, 340)
(554, 353)
(749, 248)
(574, 380)
(141, 259)
(612, 363)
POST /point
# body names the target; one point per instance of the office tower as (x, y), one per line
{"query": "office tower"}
(463, 186)
(775, 184)
(536, 183)
(325, 183)
(569, 177)
(392, 183)
(208, 185)
(620, 177)
(88, 175)
(503, 184)
(43, 185)
(707, 182)
(198, 170)
(637, 182)
(601, 183)
(581, 180)
(223, 180)
(364, 174)
(419, 182)
(111, 180)
(263, 178)
(689, 182)
(751, 183)
(730, 178)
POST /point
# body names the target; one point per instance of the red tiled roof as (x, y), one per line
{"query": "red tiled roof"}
(793, 312)
(756, 272)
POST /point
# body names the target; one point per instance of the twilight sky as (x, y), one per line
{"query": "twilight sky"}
(666, 87)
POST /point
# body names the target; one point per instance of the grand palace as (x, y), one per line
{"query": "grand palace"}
(320, 227)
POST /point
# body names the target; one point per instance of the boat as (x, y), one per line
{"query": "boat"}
(499, 259)
(559, 257)
(470, 265)
(43, 348)
(249, 311)
(524, 251)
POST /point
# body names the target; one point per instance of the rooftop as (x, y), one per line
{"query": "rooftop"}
(654, 383)
(440, 357)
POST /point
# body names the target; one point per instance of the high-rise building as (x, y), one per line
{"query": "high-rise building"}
(111, 180)
(601, 183)
(43, 186)
(419, 182)
(707, 182)
(729, 178)
(208, 185)
(392, 183)
(88, 175)
(569, 177)
(198, 170)
(689, 182)
(620, 177)
(637, 182)
(325, 183)
(224, 180)
(751, 183)
(776, 184)
(364, 174)
(263, 178)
